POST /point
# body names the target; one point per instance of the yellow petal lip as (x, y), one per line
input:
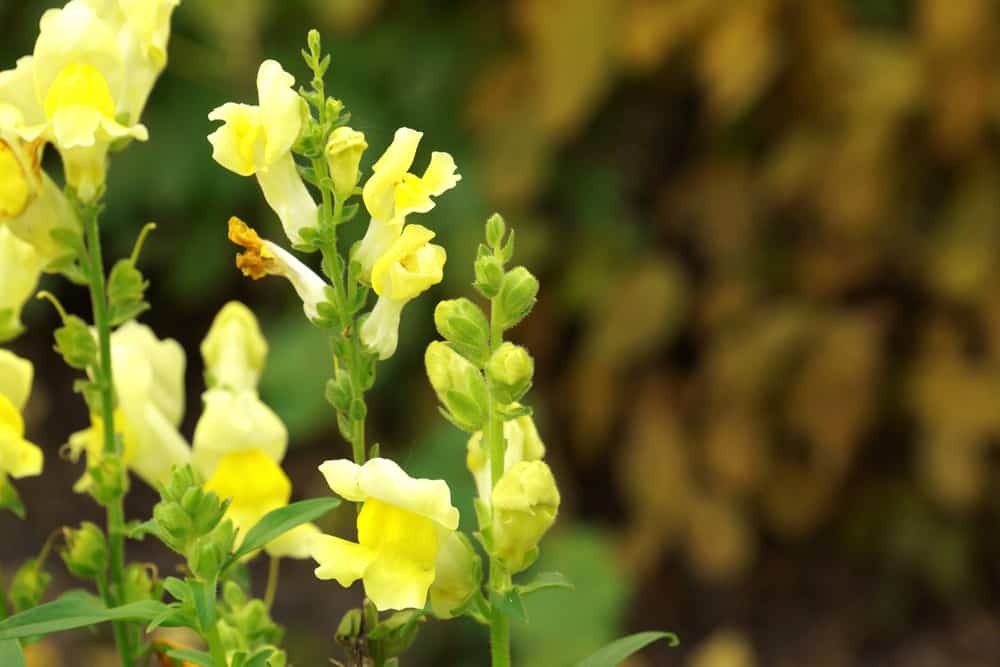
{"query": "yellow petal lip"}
(80, 85)
(383, 480)
(235, 145)
(340, 559)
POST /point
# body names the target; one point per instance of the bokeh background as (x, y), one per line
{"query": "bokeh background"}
(768, 339)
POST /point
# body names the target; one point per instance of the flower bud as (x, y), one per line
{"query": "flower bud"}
(137, 583)
(234, 349)
(339, 392)
(495, 230)
(174, 524)
(517, 296)
(510, 370)
(459, 386)
(525, 504)
(343, 155)
(208, 553)
(463, 324)
(489, 275)
(350, 627)
(458, 575)
(28, 586)
(86, 551)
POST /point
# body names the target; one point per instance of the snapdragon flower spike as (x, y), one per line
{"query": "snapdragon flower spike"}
(261, 257)
(239, 442)
(392, 192)
(408, 268)
(258, 140)
(75, 91)
(18, 457)
(149, 385)
(522, 444)
(403, 524)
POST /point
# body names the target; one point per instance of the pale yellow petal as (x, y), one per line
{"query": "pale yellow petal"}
(379, 190)
(233, 422)
(280, 109)
(340, 559)
(16, 375)
(235, 145)
(297, 543)
(234, 349)
(397, 583)
(384, 480)
(342, 477)
(287, 195)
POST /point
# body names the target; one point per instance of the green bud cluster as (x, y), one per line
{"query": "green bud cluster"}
(28, 585)
(245, 624)
(189, 521)
(459, 385)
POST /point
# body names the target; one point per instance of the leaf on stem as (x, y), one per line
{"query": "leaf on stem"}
(279, 521)
(616, 652)
(10, 653)
(74, 609)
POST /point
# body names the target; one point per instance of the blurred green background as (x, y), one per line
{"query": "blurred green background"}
(768, 339)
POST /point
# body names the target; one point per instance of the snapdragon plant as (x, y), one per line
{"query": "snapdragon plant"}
(224, 497)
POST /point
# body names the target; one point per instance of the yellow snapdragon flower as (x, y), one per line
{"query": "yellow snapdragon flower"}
(234, 349)
(143, 29)
(20, 268)
(74, 92)
(239, 441)
(149, 386)
(258, 140)
(406, 269)
(343, 152)
(525, 504)
(402, 526)
(31, 205)
(262, 257)
(392, 192)
(522, 444)
(18, 457)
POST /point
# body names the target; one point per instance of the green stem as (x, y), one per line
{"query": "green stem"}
(499, 581)
(105, 383)
(215, 647)
(273, 570)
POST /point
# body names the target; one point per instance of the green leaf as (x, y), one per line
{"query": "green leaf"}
(260, 658)
(10, 653)
(616, 652)
(192, 656)
(9, 498)
(75, 609)
(510, 603)
(76, 343)
(280, 521)
(546, 580)
(126, 289)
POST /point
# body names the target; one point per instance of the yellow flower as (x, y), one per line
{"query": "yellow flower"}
(143, 29)
(458, 575)
(343, 154)
(522, 444)
(149, 386)
(18, 457)
(72, 92)
(261, 257)
(239, 441)
(525, 504)
(401, 527)
(258, 140)
(393, 192)
(407, 268)
(20, 268)
(234, 349)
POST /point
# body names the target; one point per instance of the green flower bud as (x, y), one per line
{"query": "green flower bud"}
(489, 275)
(350, 627)
(137, 583)
(458, 575)
(463, 324)
(510, 370)
(459, 386)
(525, 504)
(86, 552)
(28, 586)
(343, 155)
(339, 392)
(110, 480)
(396, 633)
(208, 553)
(517, 296)
(495, 230)
(174, 524)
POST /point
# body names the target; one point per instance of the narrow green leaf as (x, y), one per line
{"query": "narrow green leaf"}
(260, 658)
(75, 609)
(280, 521)
(204, 602)
(192, 656)
(615, 652)
(10, 653)
(546, 580)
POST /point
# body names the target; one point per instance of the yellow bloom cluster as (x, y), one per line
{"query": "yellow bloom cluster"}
(149, 386)
(239, 441)
(86, 83)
